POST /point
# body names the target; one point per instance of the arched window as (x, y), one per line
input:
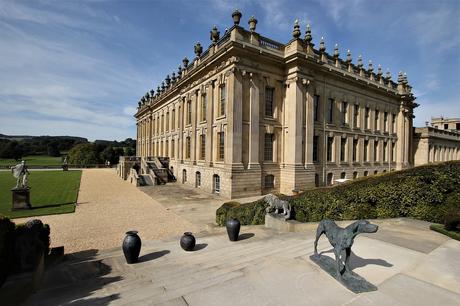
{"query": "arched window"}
(316, 180)
(198, 179)
(184, 176)
(376, 172)
(216, 184)
(269, 181)
(343, 175)
(366, 173)
(330, 176)
(355, 175)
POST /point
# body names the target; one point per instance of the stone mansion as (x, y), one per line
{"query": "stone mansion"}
(250, 115)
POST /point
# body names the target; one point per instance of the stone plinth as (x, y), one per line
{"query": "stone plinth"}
(21, 198)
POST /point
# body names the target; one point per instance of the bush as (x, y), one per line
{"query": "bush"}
(422, 192)
(452, 214)
(6, 247)
(248, 214)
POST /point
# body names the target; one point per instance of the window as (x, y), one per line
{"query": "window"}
(184, 176)
(356, 116)
(216, 183)
(344, 113)
(189, 112)
(343, 175)
(393, 157)
(197, 179)
(221, 146)
(269, 181)
(203, 146)
(366, 150)
(457, 126)
(172, 148)
(385, 122)
(187, 147)
(366, 118)
(330, 142)
(167, 121)
(269, 97)
(315, 148)
(223, 97)
(376, 150)
(204, 102)
(377, 120)
(376, 172)
(385, 147)
(446, 126)
(268, 147)
(162, 123)
(343, 148)
(316, 180)
(153, 126)
(355, 150)
(366, 173)
(167, 148)
(393, 123)
(330, 110)
(355, 175)
(330, 176)
(173, 119)
(315, 107)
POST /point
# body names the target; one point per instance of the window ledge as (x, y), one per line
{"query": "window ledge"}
(221, 117)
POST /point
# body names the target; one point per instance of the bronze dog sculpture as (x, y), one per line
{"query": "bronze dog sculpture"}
(342, 239)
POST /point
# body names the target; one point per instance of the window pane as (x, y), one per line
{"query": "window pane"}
(268, 148)
(269, 95)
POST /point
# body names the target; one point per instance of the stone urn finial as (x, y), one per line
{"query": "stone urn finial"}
(388, 74)
(152, 93)
(379, 71)
(198, 49)
(139, 104)
(185, 62)
(168, 80)
(252, 24)
(349, 59)
(214, 34)
(336, 51)
(370, 67)
(173, 77)
(147, 96)
(308, 38)
(296, 32)
(400, 77)
(360, 61)
(163, 87)
(405, 81)
(158, 90)
(143, 100)
(236, 15)
(322, 46)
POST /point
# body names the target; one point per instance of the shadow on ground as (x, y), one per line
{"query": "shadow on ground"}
(153, 255)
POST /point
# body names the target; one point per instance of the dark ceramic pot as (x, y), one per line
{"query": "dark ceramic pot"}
(187, 241)
(132, 247)
(233, 229)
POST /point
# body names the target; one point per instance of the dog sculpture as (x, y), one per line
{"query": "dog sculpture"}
(342, 239)
(275, 203)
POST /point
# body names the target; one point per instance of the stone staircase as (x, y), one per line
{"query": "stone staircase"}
(165, 273)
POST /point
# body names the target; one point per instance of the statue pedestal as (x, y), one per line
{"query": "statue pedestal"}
(21, 198)
(65, 167)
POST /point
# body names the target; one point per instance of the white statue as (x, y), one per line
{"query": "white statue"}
(21, 173)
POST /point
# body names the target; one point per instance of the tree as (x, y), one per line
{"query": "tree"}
(12, 150)
(53, 149)
(83, 154)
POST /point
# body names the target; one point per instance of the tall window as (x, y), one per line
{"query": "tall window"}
(366, 150)
(166, 148)
(203, 146)
(187, 147)
(269, 181)
(393, 157)
(269, 97)
(330, 143)
(356, 116)
(385, 122)
(173, 119)
(315, 107)
(344, 113)
(204, 102)
(343, 148)
(162, 123)
(167, 121)
(172, 148)
(366, 118)
(198, 179)
(223, 99)
(221, 146)
(268, 147)
(377, 120)
(216, 183)
(376, 150)
(153, 126)
(393, 123)
(355, 150)
(385, 147)
(189, 112)
(315, 148)
(330, 110)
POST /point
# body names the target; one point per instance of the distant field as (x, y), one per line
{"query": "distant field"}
(34, 160)
(52, 192)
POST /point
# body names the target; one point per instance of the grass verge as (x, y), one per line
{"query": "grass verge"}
(440, 229)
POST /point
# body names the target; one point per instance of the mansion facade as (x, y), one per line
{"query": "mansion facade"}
(250, 115)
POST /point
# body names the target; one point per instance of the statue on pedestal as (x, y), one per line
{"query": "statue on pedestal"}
(21, 173)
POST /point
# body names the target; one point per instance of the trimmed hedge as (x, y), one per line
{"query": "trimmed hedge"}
(429, 192)
(441, 229)
(6, 247)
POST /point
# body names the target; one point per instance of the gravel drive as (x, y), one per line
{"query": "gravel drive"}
(107, 208)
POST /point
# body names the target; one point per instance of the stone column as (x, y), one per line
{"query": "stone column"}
(193, 136)
(406, 140)
(254, 132)
(234, 137)
(309, 124)
(209, 123)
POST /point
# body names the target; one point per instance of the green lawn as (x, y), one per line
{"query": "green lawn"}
(52, 192)
(34, 160)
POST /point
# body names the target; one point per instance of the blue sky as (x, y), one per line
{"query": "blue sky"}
(79, 67)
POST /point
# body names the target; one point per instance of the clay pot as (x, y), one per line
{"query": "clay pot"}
(233, 228)
(187, 241)
(132, 247)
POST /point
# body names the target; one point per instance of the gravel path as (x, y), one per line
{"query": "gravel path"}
(107, 208)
